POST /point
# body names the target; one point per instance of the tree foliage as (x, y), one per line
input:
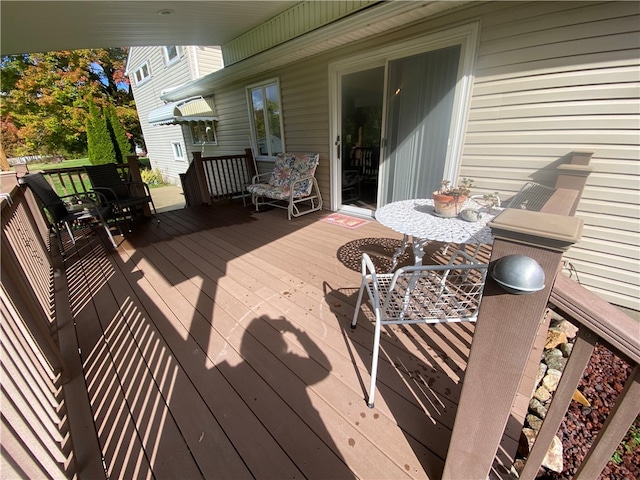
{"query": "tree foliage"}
(101, 148)
(44, 99)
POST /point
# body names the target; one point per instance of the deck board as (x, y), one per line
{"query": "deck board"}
(217, 344)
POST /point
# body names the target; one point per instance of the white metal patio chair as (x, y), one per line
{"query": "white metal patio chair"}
(420, 294)
(291, 185)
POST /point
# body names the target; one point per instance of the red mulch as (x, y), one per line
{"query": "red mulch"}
(601, 383)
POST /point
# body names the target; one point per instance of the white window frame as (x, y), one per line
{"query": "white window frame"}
(210, 132)
(170, 60)
(178, 151)
(139, 73)
(254, 137)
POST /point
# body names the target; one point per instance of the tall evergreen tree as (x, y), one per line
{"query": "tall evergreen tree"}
(121, 143)
(101, 149)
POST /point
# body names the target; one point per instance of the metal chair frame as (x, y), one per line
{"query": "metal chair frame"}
(69, 210)
(420, 294)
(120, 194)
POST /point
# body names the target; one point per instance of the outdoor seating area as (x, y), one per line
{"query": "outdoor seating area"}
(203, 327)
(124, 196)
(229, 332)
(291, 185)
(71, 210)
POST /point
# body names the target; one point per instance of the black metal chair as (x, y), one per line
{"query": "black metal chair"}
(123, 196)
(79, 208)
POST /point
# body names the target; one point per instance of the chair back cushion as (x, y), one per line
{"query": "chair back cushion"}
(281, 174)
(290, 167)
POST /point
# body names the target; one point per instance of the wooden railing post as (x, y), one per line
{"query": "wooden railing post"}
(573, 176)
(503, 339)
(202, 179)
(135, 176)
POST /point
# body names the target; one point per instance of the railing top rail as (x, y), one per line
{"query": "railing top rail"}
(612, 325)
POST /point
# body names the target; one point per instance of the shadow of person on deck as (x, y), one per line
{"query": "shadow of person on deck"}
(279, 365)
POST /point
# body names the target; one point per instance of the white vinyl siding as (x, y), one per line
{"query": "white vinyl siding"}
(550, 81)
(550, 78)
(159, 138)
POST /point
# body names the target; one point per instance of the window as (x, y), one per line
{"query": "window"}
(265, 115)
(142, 73)
(171, 54)
(178, 152)
(203, 132)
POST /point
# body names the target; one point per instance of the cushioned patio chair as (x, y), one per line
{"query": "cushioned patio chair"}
(123, 196)
(88, 207)
(291, 185)
(420, 294)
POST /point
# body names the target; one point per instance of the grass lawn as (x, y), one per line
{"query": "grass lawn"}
(77, 162)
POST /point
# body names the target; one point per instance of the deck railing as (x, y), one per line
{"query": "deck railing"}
(38, 424)
(599, 322)
(36, 440)
(505, 337)
(218, 177)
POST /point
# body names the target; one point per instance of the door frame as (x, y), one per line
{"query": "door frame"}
(467, 36)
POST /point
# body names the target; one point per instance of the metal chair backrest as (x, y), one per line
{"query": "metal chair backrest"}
(532, 196)
(107, 176)
(433, 293)
(420, 294)
(47, 196)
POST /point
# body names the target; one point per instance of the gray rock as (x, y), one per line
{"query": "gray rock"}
(536, 407)
(566, 348)
(542, 394)
(552, 353)
(551, 379)
(542, 370)
(534, 422)
(556, 363)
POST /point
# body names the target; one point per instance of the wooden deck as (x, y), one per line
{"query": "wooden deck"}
(216, 344)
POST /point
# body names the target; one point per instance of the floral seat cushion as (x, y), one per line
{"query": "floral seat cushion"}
(287, 170)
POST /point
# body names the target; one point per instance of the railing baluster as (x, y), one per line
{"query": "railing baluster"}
(614, 429)
(578, 360)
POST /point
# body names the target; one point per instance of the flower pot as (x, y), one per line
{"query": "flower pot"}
(447, 205)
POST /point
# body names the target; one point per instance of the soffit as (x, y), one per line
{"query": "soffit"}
(375, 20)
(38, 26)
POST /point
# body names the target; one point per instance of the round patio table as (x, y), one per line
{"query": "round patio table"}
(417, 219)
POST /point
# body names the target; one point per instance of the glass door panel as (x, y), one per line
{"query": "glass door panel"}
(420, 97)
(361, 127)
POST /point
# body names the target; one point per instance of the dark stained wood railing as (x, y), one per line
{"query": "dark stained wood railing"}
(38, 420)
(218, 177)
(480, 432)
(36, 440)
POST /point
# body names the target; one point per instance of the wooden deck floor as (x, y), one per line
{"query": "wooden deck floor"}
(216, 344)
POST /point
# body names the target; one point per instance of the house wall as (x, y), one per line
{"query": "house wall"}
(194, 62)
(550, 78)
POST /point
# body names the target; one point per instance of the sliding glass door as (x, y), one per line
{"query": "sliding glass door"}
(399, 117)
(420, 96)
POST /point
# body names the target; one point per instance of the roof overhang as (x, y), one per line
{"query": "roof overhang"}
(378, 19)
(194, 109)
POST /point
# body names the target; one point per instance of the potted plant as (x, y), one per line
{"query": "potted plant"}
(448, 200)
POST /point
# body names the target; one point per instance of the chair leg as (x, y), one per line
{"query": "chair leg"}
(374, 362)
(357, 309)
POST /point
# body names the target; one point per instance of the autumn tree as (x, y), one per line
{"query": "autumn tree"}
(44, 98)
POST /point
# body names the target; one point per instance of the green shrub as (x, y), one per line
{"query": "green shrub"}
(153, 178)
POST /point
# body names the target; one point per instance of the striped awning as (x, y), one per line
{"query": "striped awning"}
(183, 111)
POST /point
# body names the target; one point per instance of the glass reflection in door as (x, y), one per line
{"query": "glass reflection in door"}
(361, 119)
